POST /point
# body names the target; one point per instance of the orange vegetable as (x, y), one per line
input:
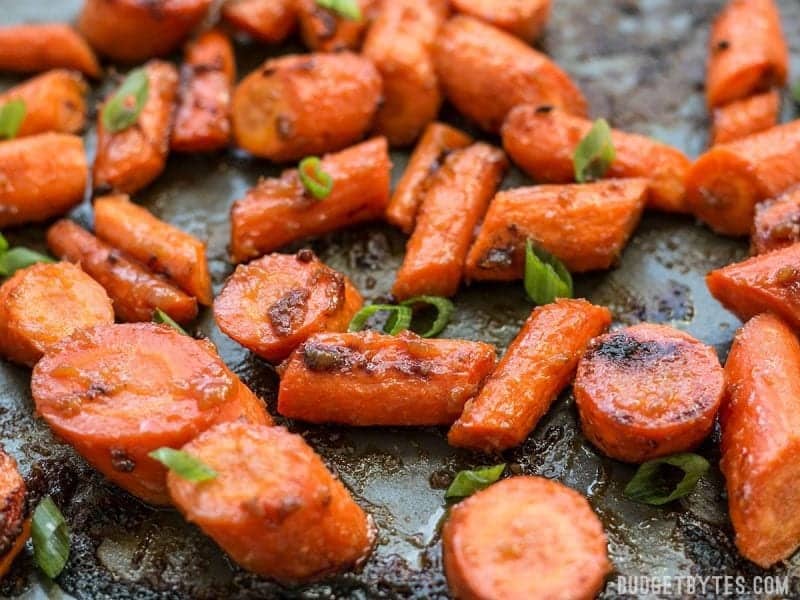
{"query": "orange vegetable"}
(268, 21)
(54, 101)
(15, 528)
(523, 18)
(777, 223)
(453, 206)
(368, 378)
(44, 46)
(647, 391)
(279, 211)
(745, 117)
(537, 366)
(325, 30)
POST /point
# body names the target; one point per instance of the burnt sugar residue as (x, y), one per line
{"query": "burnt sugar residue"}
(625, 350)
(329, 358)
(289, 312)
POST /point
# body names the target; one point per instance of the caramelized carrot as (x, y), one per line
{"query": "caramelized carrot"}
(324, 30)
(761, 439)
(647, 391)
(273, 507)
(523, 18)
(542, 143)
(15, 526)
(524, 537)
(130, 159)
(45, 303)
(135, 291)
(436, 143)
(44, 46)
(745, 117)
(725, 184)
(747, 52)
(452, 208)
(268, 21)
(485, 72)
(202, 121)
(279, 211)
(537, 366)
(369, 378)
(42, 176)
(275, 303)
(586, 226)
(777, 223)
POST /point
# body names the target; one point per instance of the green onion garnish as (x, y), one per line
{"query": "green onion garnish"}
(14, 259)
(444, 310)
(594, 153)
(122, 109)
(666, 479)
(317, 182)
(467, 483)
(796, 93)
(50, 537)
(399, 318)
(348, 9)
(546, 278)
(159, 316)
(183, 464)
(12, 114)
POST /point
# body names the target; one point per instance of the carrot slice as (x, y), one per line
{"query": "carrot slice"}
(745, 117)
(275, 303)
(324, 30)
(542, 143)
(274, 507)
(135, 291)
(747, 52)
(279, 211)
(453, 206)
(525, 537)
(523, 18)
(647, 391)
(777, 223)
(44, 46)
(165, 249)
(586, 226)
(268, 21)
(369, 378)
(761, 439)
(15, 526)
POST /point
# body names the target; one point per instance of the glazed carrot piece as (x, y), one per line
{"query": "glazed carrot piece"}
(761, 439)
(647, 391)
(436, 143)
(537, 366)
(268, 21)
(135, 291)
(747, 52)
(15, 528)
(725, 184)
(44, 46)
(45, 303)
(273, 507)
(275, 303)
(43, 176)
(305, 104)
(324, 30)
(525, 537)
(542, 143)
(202, 121)
(485, 72)
(453, 206)
(133, 31)
(163, 248)
(368, 378)
(400, 43)
(586, 226)
(130, 159)
(745, 117)
(523, 18)
(279, 211)
(777, 223)
(118, 392)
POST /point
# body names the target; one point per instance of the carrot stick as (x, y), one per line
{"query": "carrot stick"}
(777, 223)
(268, 21)
(45, 46)
(324, 30)
(745, 117)
(523, 18)
(15, 528)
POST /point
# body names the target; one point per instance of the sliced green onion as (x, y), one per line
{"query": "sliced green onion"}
(656, 481)
(796, 92)
(184, 465)
(12, 114)
(159, 316)
(399, 318)
(18, 258)
(467, 483)
(317, 182)
(50, 537)
(594, 153)
(3, 243)
(546, 278)
(444, 310)
(123, 108)
(348, 9)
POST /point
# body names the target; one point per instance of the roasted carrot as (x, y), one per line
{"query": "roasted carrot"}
(485, 72)
(325, 30)
(44, 46)
(163, 248)
(747, 52)
(452, 208)
(369, 378)
(130, 159)
(135, 291)
(745, 117)
(202, 121)
(777, 223)
(586, 226)
(760, 422)
(45, 303)
(275, 303)
(725, 184)
(647, 391)
(268, 21)
(525, 537)
(542, 143)
(299, 105)
(279, 211)
(15, 526)
(42, 176)
(436, 143)
(523, 18)
(132, 31)
(273, 507)
(400, 43)
(118, 392)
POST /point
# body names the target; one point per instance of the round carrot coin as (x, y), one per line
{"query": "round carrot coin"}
(15, 526)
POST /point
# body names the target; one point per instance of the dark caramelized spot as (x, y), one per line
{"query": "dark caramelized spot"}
(544, 109)
(305, 255)
(289, 313)
(325, 358)
(439, 161)
(328, 23)
(722, 45)
(625, 350)
(121, 462)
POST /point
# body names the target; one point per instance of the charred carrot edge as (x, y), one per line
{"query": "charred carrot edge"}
(268, 21)
(16, 525)
(45, 46)
(777, 223)
(745, 117)
(324, 30)
(525, 19)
